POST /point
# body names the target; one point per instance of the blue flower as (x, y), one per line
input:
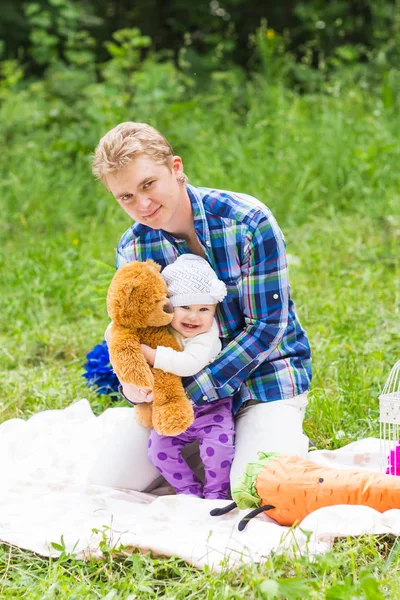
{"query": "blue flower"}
(98, 370)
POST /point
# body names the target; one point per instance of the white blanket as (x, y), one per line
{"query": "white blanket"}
(44, 499)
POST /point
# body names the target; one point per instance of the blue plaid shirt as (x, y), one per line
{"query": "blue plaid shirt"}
(266, 355)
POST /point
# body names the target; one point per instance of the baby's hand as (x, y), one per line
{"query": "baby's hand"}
(148, 353)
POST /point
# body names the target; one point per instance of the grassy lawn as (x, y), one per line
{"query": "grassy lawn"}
(328, 168)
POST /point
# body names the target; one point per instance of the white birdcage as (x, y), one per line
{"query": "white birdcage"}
(389, 418)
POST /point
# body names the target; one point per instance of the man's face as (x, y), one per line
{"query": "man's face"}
(192, 320)
(148, 192)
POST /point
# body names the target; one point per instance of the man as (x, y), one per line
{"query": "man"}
(265, 364)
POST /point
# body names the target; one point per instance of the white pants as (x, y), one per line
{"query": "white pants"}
(259, 426)
(269, 427)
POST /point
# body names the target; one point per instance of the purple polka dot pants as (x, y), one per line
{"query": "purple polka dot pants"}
(214, 428)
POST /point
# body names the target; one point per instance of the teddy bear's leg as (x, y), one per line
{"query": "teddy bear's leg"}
(143, 414)
(172, 409)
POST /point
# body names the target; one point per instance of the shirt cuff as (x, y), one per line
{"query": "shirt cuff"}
(201, 389)
(161, 358)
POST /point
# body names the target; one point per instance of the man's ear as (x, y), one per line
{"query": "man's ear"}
(177, 165)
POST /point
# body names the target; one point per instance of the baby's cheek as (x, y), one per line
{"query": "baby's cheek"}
(175, 321)
(208, 321)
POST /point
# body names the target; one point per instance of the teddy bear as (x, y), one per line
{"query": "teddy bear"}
(138, 305)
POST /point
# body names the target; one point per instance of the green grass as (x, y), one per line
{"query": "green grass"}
(364, 568)
(328, 168)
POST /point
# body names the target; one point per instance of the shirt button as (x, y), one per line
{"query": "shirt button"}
(275, 296)
(205, 398)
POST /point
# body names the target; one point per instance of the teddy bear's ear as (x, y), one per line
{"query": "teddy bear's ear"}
(153, 264)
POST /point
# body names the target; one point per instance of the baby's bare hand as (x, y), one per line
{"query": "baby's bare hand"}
(148, 353)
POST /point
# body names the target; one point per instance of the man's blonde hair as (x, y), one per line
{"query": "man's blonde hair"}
(127, 141)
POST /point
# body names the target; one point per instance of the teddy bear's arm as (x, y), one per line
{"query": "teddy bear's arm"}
(127, 359)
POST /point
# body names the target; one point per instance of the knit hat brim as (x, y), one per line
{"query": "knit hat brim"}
(190, 299)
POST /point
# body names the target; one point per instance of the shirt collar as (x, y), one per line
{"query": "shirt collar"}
(199, 218)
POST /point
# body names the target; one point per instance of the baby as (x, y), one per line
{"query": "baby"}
(194, 292)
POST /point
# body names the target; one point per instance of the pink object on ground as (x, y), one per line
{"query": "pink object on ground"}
(394, 461)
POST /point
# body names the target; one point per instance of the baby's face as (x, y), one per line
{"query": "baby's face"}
(192, 320)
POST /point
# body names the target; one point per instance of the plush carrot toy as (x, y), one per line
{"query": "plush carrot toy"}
(289, 488)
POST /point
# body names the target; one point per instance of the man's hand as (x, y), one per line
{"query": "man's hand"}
(148, 353)
(135, 394)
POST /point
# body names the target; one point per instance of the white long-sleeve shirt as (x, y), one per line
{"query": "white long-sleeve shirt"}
(196, 354)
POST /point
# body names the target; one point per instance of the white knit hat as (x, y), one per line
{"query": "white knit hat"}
(191, 280)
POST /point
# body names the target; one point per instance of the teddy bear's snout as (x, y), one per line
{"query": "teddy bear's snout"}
(168, 308)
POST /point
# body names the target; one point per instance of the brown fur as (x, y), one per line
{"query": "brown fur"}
(137, 303)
